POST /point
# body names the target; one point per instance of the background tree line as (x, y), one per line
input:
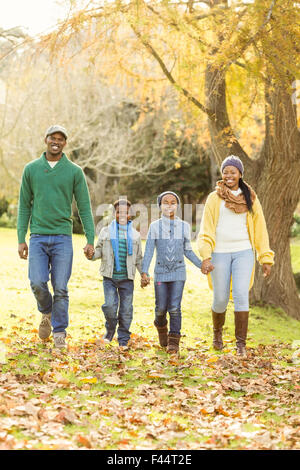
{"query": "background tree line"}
(150, 89)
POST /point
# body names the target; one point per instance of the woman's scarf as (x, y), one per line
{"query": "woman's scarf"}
(235, 203)
(114, 238)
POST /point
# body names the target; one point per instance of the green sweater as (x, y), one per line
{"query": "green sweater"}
(46, 196)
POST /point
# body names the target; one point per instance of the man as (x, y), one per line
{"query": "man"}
(47, 189)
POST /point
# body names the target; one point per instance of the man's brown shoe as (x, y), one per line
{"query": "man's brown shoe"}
(45, 326)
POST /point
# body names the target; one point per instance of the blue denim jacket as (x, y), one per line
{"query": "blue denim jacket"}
(172, 241)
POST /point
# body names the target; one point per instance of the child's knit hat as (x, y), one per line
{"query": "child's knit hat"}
(159, 198)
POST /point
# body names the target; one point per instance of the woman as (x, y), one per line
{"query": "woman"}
(232, 228)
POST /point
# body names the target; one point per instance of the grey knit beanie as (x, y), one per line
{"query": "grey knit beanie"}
(232, 160)
(159, 198)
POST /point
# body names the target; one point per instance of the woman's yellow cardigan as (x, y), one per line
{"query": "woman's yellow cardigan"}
(257, 230)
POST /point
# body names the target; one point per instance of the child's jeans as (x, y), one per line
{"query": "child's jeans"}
(168, 297)
(118, 309)
(238, 266)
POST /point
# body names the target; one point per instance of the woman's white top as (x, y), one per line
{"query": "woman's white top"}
(231, 232)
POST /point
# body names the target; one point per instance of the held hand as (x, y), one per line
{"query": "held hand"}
(266, 270)
(88, 251)
(23, 250)
(145, 280)
(207, 266)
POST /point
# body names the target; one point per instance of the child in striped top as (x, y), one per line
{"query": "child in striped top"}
(119, 247)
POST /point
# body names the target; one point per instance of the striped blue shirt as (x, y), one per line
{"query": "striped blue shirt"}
(122, 254)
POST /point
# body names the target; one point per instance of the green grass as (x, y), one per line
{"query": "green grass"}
(150, 380)
(266, 325)
(295, 255)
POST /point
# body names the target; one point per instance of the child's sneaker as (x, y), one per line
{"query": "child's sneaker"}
(60, 340)
(108, 337)
(45, 326)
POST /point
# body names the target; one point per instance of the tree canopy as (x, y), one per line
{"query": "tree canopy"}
(234, 65)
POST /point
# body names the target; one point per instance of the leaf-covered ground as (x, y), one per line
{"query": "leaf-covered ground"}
(95, 396)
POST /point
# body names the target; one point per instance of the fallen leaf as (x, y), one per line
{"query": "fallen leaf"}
(180, 395)
(221, 411)
(207, 410)
(153, 374)
(89, 380)
(212, 359)
(82, 440)
(113, 380)
(60, 379)
(66, 416)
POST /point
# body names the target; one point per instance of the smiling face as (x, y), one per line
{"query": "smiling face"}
(55, 145)
(231, 176)
(169, 206)
(122, 214)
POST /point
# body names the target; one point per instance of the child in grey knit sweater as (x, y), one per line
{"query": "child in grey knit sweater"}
(171, 237)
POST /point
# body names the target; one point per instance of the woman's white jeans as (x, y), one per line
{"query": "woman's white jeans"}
(239, 266)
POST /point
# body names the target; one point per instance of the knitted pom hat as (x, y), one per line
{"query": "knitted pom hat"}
(232, 160)
(159, 198)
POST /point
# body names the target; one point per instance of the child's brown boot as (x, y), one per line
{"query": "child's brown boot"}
(162, 334)
(173, 343)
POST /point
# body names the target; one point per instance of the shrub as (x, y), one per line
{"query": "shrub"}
(295, 230)
(8, 220)
(3, 205)
(77, 225)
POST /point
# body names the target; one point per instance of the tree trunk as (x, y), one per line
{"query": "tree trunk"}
(278, 188)
(222, 136)
(214, 167)
(97, 187)
(275, 177)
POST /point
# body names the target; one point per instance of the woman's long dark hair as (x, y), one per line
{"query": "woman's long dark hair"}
(247, 194)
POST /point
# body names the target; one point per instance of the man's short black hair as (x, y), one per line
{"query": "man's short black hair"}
(121, 202)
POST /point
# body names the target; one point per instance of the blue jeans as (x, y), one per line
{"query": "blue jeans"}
(168, 297)
(118, 309)
(51, 254)
(239, 266)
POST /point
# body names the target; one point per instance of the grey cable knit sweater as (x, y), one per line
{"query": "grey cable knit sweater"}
(172, 241)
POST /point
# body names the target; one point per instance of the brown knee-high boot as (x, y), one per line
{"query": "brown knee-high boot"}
(241, 328)
(218, 322)
(162, 334)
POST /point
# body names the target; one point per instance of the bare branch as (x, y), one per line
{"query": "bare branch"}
(8, 171)
(175, 25)
(170, 77)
